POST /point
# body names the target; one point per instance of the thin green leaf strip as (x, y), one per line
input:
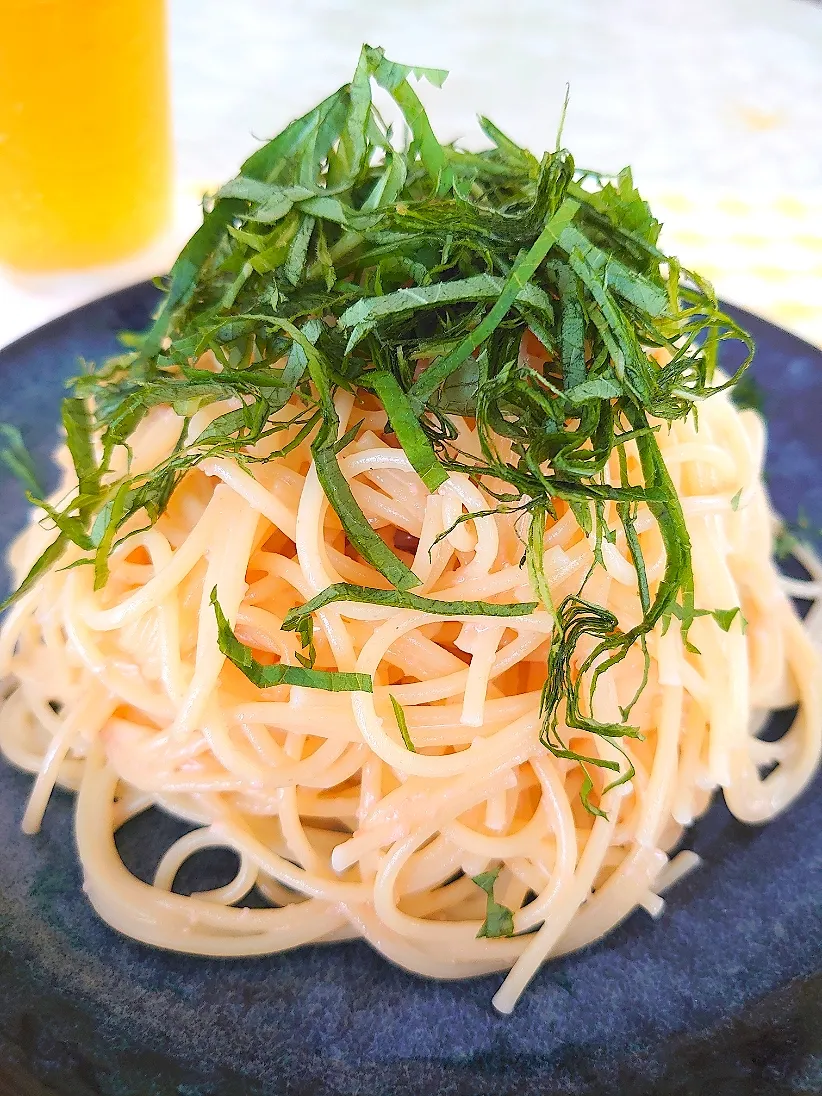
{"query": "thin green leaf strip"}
(265, 677)
(374, 550)
(44, 562)
(79, 439)
(401, 599)
(499, 920)
(410, 435)
(402, 723)
(18, 460)
(525, 267)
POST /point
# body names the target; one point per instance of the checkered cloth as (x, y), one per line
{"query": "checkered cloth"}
(762, 252)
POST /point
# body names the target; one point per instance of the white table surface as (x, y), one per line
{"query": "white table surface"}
(705, 97)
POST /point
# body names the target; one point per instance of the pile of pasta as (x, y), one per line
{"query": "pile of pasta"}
(123, 695)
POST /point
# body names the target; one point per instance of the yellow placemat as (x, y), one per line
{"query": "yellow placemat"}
(762, 252)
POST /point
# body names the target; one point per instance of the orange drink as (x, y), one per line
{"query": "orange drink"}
(85, 161)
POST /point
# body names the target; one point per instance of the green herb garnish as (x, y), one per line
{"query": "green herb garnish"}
(410, 434)
(748, 395)
(402, 723)
(264, 677)
(784, 543)
(499, 920)
(400, 599)
(342, 258)
(17, 458)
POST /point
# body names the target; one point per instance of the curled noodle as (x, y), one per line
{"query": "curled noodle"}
(122, 695)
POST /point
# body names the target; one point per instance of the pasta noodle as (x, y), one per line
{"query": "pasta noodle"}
(124, 696)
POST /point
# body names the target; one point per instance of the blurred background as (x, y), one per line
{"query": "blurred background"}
(714, 103)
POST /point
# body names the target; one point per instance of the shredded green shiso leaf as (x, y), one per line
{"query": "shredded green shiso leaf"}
(402, 723)
(17, 459)
(499, 919)
(345, 257)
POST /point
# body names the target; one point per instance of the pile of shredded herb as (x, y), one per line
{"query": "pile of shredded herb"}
(344, 256)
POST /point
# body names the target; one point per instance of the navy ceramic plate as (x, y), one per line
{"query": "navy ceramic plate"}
(724, 994)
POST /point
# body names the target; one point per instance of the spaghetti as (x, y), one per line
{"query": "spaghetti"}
(360, 814)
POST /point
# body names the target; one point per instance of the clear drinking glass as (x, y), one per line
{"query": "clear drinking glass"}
(85, 143)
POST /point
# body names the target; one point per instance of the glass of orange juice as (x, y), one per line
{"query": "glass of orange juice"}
(85, 144)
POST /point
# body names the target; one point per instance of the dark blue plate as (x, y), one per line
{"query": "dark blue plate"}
(725, 991)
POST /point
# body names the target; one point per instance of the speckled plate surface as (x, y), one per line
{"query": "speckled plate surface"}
(724, 994)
